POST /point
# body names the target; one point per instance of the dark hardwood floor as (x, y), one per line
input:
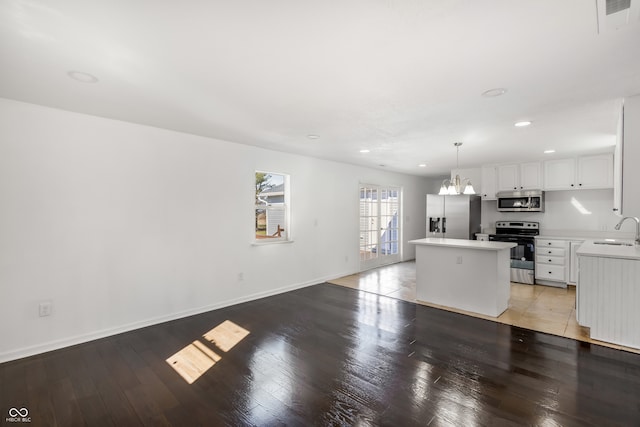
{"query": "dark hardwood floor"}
(326, 355)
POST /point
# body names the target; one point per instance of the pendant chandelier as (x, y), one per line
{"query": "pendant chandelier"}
(457, 185)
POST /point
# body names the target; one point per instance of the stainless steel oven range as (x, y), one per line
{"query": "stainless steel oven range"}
(523, 234)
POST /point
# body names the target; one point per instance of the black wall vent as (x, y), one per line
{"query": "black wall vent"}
(614, 6)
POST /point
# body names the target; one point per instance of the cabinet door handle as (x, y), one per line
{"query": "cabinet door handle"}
(615, 209)
(549, 272)
(549, 260)
(549, 251)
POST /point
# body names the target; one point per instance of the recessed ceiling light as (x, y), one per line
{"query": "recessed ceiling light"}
(492, 93)
(365, 151)
(422, 165)
(82, 77)
(549, 151)
(312, 136)
(522, 124)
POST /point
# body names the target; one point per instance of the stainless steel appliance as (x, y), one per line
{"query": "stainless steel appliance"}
(522, 233)
(521, 201)
(453, 217)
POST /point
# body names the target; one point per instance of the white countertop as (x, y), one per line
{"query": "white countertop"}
(584, 235)
(589, 248)
(464, 244)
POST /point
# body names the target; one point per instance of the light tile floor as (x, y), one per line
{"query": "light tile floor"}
(539, 308)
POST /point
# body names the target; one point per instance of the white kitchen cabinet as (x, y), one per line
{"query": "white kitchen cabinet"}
(552, 273)
(521, 176)
(584, 172)
(595, 171)
(560, 174)
(531, 176)
(508, 177)
(551, 262)
(617, 164)
(631, 157)
(488, 189)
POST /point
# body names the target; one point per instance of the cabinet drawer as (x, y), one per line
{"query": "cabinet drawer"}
(550, 272)
(555, 260)
(550, 251)
(540, 243)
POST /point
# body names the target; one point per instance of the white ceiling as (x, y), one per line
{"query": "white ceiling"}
(402, 78)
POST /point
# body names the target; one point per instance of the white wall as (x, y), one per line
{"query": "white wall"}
(122, 225)
(566, 211)
(434, 187)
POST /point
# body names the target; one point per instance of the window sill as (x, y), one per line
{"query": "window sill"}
(267, 243)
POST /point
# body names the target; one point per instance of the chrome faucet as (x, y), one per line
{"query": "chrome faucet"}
(637, 226)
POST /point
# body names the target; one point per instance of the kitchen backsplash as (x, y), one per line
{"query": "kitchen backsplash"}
(577, 210)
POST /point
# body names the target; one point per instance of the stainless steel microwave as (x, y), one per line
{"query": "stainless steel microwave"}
(521, 201)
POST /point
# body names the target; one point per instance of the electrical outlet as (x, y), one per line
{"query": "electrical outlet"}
(44, 309)
(459, 260)
(240, 277)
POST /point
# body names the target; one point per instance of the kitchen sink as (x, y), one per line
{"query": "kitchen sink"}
(614, 243)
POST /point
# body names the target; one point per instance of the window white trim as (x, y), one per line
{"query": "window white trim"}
(280, 211)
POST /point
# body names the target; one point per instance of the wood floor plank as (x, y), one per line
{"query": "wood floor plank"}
(329, 355)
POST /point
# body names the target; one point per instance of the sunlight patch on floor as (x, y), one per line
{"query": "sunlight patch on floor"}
(226, 335)
(195, 359)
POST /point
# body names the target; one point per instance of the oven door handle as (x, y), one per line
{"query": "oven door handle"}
(504, 239)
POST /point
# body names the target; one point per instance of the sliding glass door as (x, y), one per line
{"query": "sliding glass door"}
(380, 225)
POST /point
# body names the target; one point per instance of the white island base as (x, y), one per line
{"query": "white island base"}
(467, 275)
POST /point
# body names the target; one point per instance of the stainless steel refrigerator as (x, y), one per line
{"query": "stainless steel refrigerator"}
(453, 217)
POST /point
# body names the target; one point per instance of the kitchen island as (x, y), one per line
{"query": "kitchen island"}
(608, 291)
(467, 275)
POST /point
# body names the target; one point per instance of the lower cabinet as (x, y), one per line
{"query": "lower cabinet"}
(551, 262)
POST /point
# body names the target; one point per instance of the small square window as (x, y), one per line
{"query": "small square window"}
(271, 207)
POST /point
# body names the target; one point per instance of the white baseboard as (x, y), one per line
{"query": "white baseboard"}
(83, 338)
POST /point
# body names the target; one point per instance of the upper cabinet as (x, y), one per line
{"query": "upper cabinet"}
(560, 174)
(617, 164)
(584, 172)
(488, 188)
(595, 171)
(508, 177)
(631, 157)
(521, 176)
(531, 176)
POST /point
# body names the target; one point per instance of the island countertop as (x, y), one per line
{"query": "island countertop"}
(464, 244)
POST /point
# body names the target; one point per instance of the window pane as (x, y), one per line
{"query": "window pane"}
(261, 222)
(271, 210)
